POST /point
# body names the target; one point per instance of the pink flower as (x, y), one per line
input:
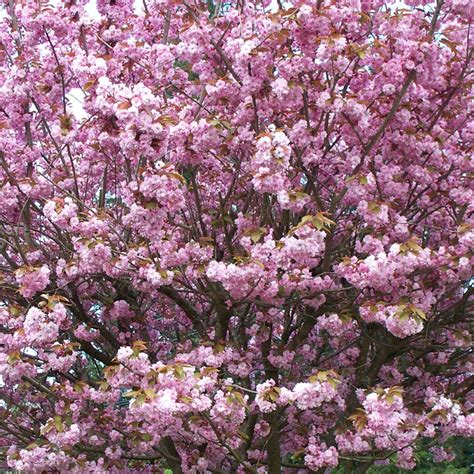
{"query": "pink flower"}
(38, 329)
(32, 280)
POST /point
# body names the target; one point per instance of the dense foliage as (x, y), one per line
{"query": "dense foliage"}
(235, 236)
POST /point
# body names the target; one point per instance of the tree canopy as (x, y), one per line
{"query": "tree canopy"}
(235, 236)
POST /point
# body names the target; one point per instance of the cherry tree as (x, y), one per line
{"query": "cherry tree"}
(235, 236)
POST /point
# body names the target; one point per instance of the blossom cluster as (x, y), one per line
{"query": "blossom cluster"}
(235, 236)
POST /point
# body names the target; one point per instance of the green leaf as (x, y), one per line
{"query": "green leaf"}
(58, 423)
(359, 418)
(179, 372)
(374, 206)
(133, 393)
(297, 195)
(238, 397)
(393, 392)
(255, 233)
(150, 393)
